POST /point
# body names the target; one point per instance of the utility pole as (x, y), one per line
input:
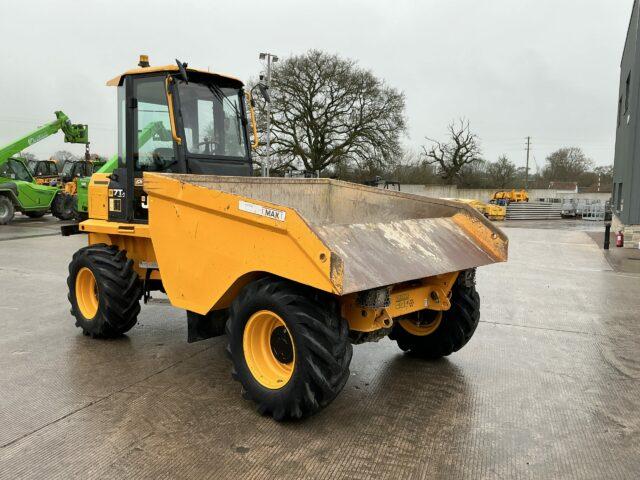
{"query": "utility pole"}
(526, 171)
(266, 166)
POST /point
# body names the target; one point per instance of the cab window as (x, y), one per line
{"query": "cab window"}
(213, 121)
(152, 152)
(15, 170)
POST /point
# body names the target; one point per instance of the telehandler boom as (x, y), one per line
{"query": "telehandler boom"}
(294, 271)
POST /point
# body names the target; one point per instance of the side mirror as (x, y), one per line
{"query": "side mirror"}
(264, 91)
(182, 68)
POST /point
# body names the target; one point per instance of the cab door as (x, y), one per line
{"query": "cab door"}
(143, 106)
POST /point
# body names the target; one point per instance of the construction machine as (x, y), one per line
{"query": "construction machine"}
(45, 172)
(294, 271)
(491, 211)
(19, 190)
(505, 197)
(74, 169)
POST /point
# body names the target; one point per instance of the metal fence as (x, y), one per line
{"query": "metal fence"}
(593, 212)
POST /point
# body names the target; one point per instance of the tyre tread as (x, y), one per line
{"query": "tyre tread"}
(119, 286)
(319, 332)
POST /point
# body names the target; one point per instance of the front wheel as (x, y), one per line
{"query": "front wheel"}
(433, 334)
(7, 210)
(290, 349)
(104, 291)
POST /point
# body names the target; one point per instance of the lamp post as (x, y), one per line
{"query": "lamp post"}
(270, 58)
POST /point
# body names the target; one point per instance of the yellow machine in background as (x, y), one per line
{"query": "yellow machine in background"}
(495, 212)
(295, 271)
(510, 196)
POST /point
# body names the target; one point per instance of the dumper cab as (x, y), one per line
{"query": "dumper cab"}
(294, 271)
(203, 116)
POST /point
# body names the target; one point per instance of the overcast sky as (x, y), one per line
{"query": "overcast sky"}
(544, 68)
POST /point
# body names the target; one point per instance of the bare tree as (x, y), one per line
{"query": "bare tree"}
(502, 172)
(473, 175)
(567, 164)
(27, 156)
(411, 168)
(327, 111)
(460, 149)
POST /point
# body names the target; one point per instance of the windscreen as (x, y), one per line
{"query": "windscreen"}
(48, 168)
(67, 169)
(15, 170)
(212, 117)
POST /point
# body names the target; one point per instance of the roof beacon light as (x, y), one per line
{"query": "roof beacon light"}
(144, 61)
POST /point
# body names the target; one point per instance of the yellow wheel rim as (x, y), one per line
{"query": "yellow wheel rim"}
(268, 349)
(87, 293)
(421, 330)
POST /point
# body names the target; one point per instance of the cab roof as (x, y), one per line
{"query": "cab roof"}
(117, 81)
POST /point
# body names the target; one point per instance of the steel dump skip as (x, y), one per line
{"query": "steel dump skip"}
(376, 237)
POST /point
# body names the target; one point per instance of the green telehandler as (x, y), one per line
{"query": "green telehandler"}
(19, 190)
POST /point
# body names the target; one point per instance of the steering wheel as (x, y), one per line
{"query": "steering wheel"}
(209, 145)
(162, 159)
(162, 164)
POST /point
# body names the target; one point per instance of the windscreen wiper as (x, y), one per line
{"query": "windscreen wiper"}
(217, 91)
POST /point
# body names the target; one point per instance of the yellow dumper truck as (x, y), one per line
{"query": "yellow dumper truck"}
(294, 271)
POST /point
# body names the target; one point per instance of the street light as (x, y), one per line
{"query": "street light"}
(270, 58)
(264, 56)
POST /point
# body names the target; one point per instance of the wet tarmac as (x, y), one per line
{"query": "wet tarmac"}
(549, 386)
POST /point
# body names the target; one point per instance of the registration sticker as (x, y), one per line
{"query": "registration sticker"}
(262, 211)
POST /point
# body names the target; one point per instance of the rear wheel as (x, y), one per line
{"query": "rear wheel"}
(290, 350)
(104, 291)
(62, 206)
(432, 334)
(7, 211)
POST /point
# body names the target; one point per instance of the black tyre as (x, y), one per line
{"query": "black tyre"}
(289, 347)
(104, 291)
(7, 211)
(35, 214)
(438, 334)
(62, 206)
